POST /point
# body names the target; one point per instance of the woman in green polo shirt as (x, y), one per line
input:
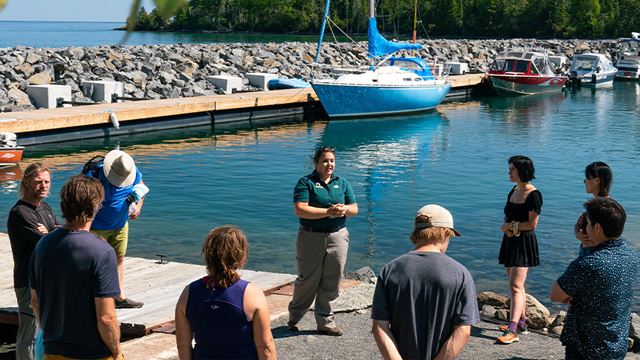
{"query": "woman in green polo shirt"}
(322, 201)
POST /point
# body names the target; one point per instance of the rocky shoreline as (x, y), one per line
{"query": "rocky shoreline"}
(180, 70)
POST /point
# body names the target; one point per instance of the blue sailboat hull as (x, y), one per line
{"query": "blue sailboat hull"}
(340, 100)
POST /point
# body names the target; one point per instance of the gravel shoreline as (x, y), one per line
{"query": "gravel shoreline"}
(358, 342)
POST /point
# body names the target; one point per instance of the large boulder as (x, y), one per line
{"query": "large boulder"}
(537, 314)
(19, 97)
(40, 78)
(492, 299)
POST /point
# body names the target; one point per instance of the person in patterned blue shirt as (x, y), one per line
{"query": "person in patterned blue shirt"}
(599, 288)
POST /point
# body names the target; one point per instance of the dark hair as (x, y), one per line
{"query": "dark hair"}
(321, 150)
(608, 213)
(29, 173)
(603, 172)
(525, 168)
(224, 251)
(80, 198)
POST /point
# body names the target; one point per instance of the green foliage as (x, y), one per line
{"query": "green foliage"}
(466, 18)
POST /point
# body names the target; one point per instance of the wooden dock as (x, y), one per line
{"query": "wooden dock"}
(67, 119)
(158, 285)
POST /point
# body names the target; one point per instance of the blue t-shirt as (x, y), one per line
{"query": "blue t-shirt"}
(115, 209)
(68, 270)
(602, 285)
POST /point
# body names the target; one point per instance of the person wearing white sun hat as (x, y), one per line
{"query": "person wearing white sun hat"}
(119, 175)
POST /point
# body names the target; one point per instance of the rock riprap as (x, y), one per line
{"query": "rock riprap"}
(181, 70)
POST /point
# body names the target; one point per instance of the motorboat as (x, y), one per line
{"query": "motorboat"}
(10, 152)
(390, 85)
(591, 70)
(628, 61)
(525, 71)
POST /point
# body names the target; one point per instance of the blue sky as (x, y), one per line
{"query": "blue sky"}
(70, 10)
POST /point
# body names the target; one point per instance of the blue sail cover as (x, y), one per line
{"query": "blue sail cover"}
(379, 46)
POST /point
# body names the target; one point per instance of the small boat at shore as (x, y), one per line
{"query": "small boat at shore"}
(393, 85)
(628, 61)
(10, 152)
(525, 71)
(591, 70)
(278, 84)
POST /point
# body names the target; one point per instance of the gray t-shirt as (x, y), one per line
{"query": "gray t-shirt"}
(424, 295)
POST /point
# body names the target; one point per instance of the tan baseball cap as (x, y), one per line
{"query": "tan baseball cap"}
(437, 217)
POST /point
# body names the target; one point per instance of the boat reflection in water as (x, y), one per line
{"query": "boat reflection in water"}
(10, 177)
(383, 159)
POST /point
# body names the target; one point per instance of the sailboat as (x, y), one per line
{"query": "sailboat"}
(394, 85)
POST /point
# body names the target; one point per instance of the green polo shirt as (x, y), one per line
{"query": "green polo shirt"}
(313, 190)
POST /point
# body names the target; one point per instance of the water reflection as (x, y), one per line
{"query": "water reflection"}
(10, 177)
(384, 154)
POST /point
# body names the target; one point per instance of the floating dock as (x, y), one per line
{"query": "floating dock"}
(159, 285)
(92, 121)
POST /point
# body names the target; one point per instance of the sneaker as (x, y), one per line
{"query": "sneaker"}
(508, 337)
(293, 327)
(521, 330)
(128, 304)
(332, 332)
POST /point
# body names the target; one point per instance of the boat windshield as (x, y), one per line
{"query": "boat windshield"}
(630, 48)
(497, 65)
(585, 63)
(509, 66)
(410, 65)
(522, 66)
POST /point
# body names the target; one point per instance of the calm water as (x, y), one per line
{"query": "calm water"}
(55, 34)
(455, 156)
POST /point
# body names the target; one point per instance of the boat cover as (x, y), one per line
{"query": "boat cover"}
(379, 46)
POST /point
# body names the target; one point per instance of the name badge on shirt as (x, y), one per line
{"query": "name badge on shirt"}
(318, 186)
(336, 187)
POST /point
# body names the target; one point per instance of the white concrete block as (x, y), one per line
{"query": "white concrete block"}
(458, 68)
(226, 83)
(103, 89)
(45, 96)
(260, 80)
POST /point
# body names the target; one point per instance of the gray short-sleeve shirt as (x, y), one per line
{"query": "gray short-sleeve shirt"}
(424, 295)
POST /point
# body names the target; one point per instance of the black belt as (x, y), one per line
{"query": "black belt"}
(330, 229)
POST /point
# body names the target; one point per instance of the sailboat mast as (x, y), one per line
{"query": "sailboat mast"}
(415, 21)
(372, 14)
(324, 23)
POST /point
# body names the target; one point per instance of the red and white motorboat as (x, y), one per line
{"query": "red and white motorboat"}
(10, 152)
(525, 71)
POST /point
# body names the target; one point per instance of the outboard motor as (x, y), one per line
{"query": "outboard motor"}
(8, 139)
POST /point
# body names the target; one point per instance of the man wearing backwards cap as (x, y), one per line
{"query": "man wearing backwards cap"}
(425, 302)
(118, 174)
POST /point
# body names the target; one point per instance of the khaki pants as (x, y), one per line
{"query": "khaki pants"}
(320, 258)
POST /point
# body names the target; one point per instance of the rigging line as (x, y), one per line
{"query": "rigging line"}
(422, 24)
(338, 27)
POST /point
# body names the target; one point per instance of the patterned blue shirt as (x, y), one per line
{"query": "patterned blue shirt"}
(602, 285)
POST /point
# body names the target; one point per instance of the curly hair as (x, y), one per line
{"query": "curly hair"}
(80, 198)
(224, 251)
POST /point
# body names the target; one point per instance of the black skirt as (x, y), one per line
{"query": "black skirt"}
(519, 251)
